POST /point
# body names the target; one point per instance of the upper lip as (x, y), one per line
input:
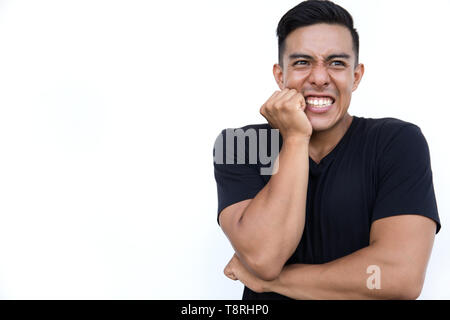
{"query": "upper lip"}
(319, 95)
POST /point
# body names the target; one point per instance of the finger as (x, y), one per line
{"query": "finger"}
(275, 94)
(283, 92)
(265, 114)
(232, 276)
(298, 100)
(286, 97)
(229, 273)
(269, 101)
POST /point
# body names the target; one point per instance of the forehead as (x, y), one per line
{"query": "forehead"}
(319, 39)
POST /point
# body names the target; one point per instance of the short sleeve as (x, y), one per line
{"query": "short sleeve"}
(405, 182)
(235, 182)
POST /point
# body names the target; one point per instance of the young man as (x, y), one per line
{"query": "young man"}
(350, 210)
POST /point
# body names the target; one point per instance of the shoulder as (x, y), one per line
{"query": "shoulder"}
(387, 131)
(384, 126)
(397, 144)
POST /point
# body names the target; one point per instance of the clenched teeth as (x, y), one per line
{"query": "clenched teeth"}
(319, 102)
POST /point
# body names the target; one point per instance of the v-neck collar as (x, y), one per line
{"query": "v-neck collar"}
(330, 156)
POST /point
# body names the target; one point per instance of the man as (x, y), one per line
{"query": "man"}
(349, 211)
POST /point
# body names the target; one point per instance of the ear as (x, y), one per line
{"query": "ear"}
(357, 75)
(278, 74)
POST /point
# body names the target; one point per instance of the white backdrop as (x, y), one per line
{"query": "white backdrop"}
(108, 115)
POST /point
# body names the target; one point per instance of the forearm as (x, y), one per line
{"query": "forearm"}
(346, 278)
(272, 225)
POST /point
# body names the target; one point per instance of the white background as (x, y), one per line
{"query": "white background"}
(108, 115)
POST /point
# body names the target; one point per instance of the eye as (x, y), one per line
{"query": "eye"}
(301, 62)
(339, 63)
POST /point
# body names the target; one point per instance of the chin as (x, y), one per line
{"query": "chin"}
(324, 122)
(321, 124)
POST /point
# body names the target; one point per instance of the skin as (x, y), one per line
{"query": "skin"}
(266, 230)
(338, 77)
(400, 245)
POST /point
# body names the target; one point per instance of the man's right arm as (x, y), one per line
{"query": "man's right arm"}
(266, 230)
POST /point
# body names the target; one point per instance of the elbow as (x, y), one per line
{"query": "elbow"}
(268, 274)
(410, 292)
(269, 265)
(265, 269)
(410, 288)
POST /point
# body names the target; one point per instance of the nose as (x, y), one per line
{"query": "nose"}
(319, 76)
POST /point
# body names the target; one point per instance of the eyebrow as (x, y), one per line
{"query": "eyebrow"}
(330, 57)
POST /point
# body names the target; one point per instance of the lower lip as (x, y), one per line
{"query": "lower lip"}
(319, 110)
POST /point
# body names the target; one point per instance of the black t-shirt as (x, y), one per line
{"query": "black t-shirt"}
(380, 168)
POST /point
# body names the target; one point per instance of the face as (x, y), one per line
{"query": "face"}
(319, 62)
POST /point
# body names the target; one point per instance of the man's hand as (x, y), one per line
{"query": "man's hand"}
(285, 110)
(235, 270)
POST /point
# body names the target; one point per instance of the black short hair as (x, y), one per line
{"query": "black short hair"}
(310, 12)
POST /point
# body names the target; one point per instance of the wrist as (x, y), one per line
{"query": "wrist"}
(296, 139)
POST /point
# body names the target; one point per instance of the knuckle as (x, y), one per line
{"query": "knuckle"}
(262, 110)
(277, 105)
(286, 106)
(289, 104)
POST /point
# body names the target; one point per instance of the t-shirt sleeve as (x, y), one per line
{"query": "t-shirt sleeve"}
(405, 182)
(235, 182)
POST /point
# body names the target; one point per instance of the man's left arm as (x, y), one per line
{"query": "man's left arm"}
(398, 253)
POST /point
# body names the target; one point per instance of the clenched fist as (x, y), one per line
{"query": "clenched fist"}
(285, 110)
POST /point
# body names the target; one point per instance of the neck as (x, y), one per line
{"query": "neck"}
(323, 142)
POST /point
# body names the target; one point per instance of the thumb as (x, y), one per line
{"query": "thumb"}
(229, 273)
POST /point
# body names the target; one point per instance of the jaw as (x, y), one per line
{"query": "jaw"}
(326, 121)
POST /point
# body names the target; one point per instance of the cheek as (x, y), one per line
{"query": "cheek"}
(344, 85)
(295, 79)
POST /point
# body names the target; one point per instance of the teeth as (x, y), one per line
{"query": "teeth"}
(319, 102)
